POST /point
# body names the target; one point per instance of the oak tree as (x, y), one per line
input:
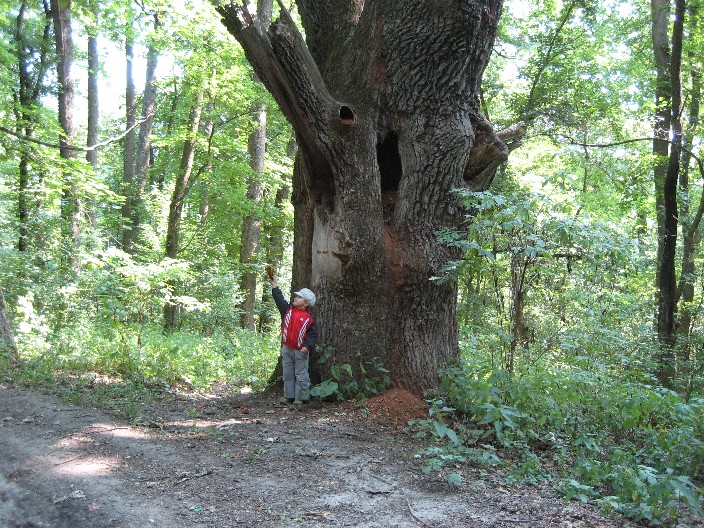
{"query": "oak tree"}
(383, 97)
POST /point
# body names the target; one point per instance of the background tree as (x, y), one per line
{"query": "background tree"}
(31, 46)
(251, 226)
(135, 177)
(93, 125)
(70, 200)
(181, 188)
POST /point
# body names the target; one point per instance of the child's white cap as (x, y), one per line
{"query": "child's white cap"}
(307, 295)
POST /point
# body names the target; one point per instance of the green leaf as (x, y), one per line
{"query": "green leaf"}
(455, 479)
(324, 389)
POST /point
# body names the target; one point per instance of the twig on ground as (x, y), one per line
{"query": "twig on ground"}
(418, 520)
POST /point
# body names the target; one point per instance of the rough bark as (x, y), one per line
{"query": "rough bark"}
(384, 104)
(70, 202)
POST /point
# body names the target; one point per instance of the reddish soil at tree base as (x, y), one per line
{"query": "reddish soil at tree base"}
(395, 408)
(230, 460)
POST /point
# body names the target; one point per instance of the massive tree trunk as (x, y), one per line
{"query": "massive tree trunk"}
(384, 103)
(70, 203)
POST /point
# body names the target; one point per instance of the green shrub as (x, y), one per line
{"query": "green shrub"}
(633, 447)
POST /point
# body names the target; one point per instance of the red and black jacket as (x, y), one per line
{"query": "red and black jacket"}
(298, 329)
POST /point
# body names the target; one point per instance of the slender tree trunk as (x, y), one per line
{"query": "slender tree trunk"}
(32, 65)
(661, 130)
(251, 224)
(519, 266)
(204, 209)
(143, 150)
(93, 101)
(273, 234)
(129, 141)
(7, 337)
(70, 203)
(384, 100)
(667, 291)
(274, 248)
(691, 238)
(181, 188)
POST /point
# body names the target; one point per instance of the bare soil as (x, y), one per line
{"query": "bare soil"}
(230, 460)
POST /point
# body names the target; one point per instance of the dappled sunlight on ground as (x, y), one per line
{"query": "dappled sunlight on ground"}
(83, 466)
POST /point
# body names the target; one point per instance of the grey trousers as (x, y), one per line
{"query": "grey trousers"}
(296, 378)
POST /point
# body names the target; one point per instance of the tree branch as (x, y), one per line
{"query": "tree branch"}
(282, 61)
(80, 149)
(573, 141)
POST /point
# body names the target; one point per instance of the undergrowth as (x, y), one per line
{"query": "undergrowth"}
(126, 363)
(631, 447)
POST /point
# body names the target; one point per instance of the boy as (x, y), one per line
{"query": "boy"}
(298, 335)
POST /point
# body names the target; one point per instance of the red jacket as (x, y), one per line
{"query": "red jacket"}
(298, 329)
(295, 324)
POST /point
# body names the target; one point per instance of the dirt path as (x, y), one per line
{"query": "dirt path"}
(241, 461)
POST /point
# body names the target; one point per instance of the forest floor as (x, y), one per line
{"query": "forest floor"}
(231, 459)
